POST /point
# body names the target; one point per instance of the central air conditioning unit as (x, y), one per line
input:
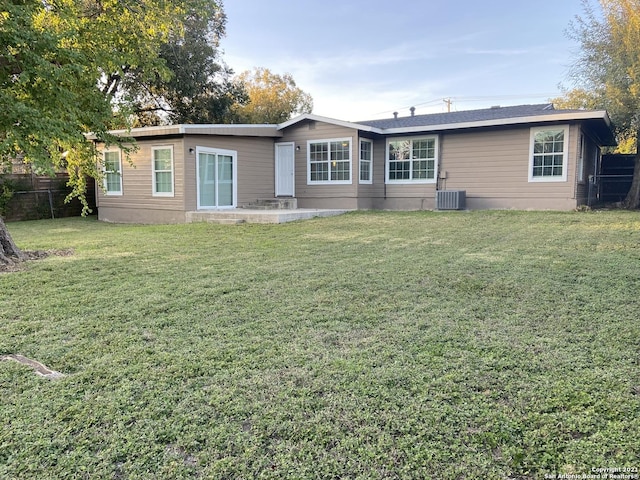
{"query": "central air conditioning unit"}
(451, 199)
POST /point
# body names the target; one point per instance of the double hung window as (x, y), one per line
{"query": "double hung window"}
(329, 161)
(548, 155)
(366, 161)
(112, 170)
(412, 160)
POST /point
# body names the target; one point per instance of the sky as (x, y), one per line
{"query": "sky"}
(364, 60)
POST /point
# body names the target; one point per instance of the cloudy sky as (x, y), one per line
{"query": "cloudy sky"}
(366, 59)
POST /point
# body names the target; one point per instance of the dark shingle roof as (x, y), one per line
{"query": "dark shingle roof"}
(494, 113)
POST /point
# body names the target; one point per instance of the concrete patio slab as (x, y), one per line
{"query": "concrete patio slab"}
(246, 215)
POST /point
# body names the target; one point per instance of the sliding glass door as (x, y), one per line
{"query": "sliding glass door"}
(216, 178)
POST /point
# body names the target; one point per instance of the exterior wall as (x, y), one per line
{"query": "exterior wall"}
(137, 203)
(255, 175)
(493, 168)
(322, 196)
(371, 196)
(144, 215)
(591, 159)
(491, 165)
(255, 164)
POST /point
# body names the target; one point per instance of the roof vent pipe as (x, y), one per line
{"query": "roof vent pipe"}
(395, 115)
(413, 111)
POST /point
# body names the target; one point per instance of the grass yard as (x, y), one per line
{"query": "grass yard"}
(371, 345)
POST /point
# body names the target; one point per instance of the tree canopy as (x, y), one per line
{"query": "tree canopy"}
(607, 71)
(68, 68)
(273, 98)
(200, 88)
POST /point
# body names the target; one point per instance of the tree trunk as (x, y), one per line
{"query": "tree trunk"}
(9, 252)
(633, 197)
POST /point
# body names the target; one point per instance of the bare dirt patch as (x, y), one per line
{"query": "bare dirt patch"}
(34, 255)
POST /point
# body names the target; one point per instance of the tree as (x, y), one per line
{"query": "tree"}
(200, 88)
(273, 98)
(608, 68)
(63, 65)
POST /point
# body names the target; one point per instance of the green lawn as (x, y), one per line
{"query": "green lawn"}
(371, 345)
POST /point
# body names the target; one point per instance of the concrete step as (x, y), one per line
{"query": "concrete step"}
(214, 217)
(273, 204)
(227, 221)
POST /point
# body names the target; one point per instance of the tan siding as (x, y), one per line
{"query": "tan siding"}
(125, 214)
(137, 178)
(256, 166)
(493, 166)
(300, 134)
(255, 178)
(369, 195)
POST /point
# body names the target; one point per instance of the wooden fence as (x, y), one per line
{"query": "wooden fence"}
(34, 197)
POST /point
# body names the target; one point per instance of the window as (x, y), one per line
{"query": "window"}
(112, 173)
(366, 161)
(548, 157)
(329, 161)
(162, 164)
(412, 160)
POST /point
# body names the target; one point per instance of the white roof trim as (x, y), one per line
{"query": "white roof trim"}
(560, 117)
(162, 129)
(182, 129)
(332, 121)
(227, 125)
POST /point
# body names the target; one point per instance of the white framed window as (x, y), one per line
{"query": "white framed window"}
(112, 171)
(366, 161)
(162, 167)
(412, 160)
(548, 154)
(329, 161)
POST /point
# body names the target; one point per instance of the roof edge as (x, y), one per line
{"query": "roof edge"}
(333, 121)
(567, 116)
(185, 129)
(237, 129)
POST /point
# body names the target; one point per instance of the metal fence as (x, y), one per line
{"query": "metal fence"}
(616, 174)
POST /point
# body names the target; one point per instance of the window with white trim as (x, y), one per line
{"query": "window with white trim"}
(548, 154)
(162, 165)
(412, 160)
(112, 170)
(366, 161)
(329, 161)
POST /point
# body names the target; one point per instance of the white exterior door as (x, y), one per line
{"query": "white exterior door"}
(285, 169)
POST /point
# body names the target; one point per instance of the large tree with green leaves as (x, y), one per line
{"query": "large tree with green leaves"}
(66, 68)
(273, 98)
(200, 88)
(607, 72)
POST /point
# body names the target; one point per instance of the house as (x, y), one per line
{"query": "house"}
(518, 157)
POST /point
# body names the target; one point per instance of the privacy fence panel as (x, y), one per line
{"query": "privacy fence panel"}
(33, 197)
